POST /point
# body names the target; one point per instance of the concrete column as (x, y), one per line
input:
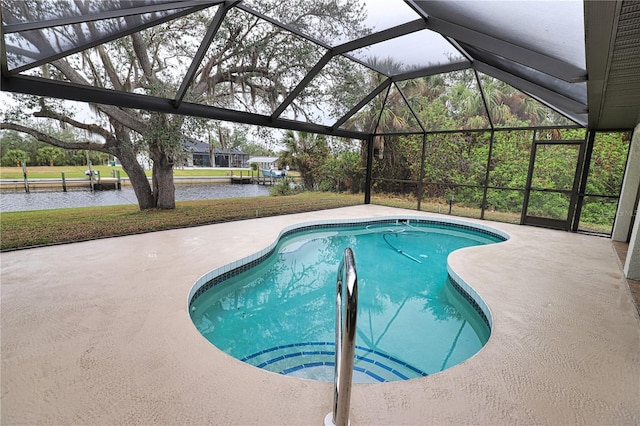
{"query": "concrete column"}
(629, 192)
(632, 263)
(628, 196)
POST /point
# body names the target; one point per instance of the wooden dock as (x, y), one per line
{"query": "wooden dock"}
(260, 180)
(105, 184)
(266, 180)
(102, 184)
(241, 180)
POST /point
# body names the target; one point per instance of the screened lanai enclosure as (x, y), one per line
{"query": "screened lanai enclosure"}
(518, 111)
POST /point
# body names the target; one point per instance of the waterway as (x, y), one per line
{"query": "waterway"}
(11, 201)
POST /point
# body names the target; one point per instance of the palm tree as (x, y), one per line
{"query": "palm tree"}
(508, 105)
(306, 152)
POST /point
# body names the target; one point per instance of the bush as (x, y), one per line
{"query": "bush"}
(284, 187)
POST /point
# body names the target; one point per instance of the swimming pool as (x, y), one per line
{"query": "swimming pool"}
(275, 309)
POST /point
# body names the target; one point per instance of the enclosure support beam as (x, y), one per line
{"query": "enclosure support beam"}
(400, 30)
(301, 86)
(385, 84)
(367, 184)
(422, 157)
(584, 174)
(75, 92)
(486, 176)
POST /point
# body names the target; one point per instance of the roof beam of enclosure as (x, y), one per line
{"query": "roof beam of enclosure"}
(484, 100)
(202, 50)
(64, 90)
(108, 14)
(426, 72)
(300, 87)
(386, 95)
(363, 63)
(522, 55)
(575, 91)
(406, 101)
(362, 103)
(459, 48)
(378, 37)
(559, 103)
(107, 39)
(279, 24)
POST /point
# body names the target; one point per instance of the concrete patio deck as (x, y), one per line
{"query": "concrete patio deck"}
(99, 332)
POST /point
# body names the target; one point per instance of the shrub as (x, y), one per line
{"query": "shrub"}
(284, 187)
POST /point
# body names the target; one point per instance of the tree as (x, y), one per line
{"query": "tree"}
(14, 157)
(342, 172)
(251, 65)
(11, 140)
(15, 140)
(307, 153)
(49, 155)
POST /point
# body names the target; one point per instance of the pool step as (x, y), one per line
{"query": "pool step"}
(316, 361)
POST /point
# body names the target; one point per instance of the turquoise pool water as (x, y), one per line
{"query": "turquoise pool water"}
(412, 319)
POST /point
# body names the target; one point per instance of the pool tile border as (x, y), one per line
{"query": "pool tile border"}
(471, 299)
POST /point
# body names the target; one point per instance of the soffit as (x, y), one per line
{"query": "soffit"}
(612, 31)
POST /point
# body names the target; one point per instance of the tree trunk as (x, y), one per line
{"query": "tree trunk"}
(162, 178)
(163, 187)
(138, 179)
(127, 155)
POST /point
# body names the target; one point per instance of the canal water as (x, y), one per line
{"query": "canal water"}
(11, 201)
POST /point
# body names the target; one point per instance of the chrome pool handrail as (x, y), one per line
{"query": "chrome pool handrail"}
(345, 337)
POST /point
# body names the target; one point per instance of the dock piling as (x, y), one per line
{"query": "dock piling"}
(24, 173)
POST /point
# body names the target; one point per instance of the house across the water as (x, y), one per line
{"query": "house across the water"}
(199, 154)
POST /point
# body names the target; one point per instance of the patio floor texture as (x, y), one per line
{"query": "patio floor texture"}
(99, 332)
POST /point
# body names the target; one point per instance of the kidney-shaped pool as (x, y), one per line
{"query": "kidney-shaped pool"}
(276, 309)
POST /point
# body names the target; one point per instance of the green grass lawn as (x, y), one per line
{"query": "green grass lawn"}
(43, 227)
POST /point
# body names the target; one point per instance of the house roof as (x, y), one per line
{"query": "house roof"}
(263, 159)
(580, 59)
